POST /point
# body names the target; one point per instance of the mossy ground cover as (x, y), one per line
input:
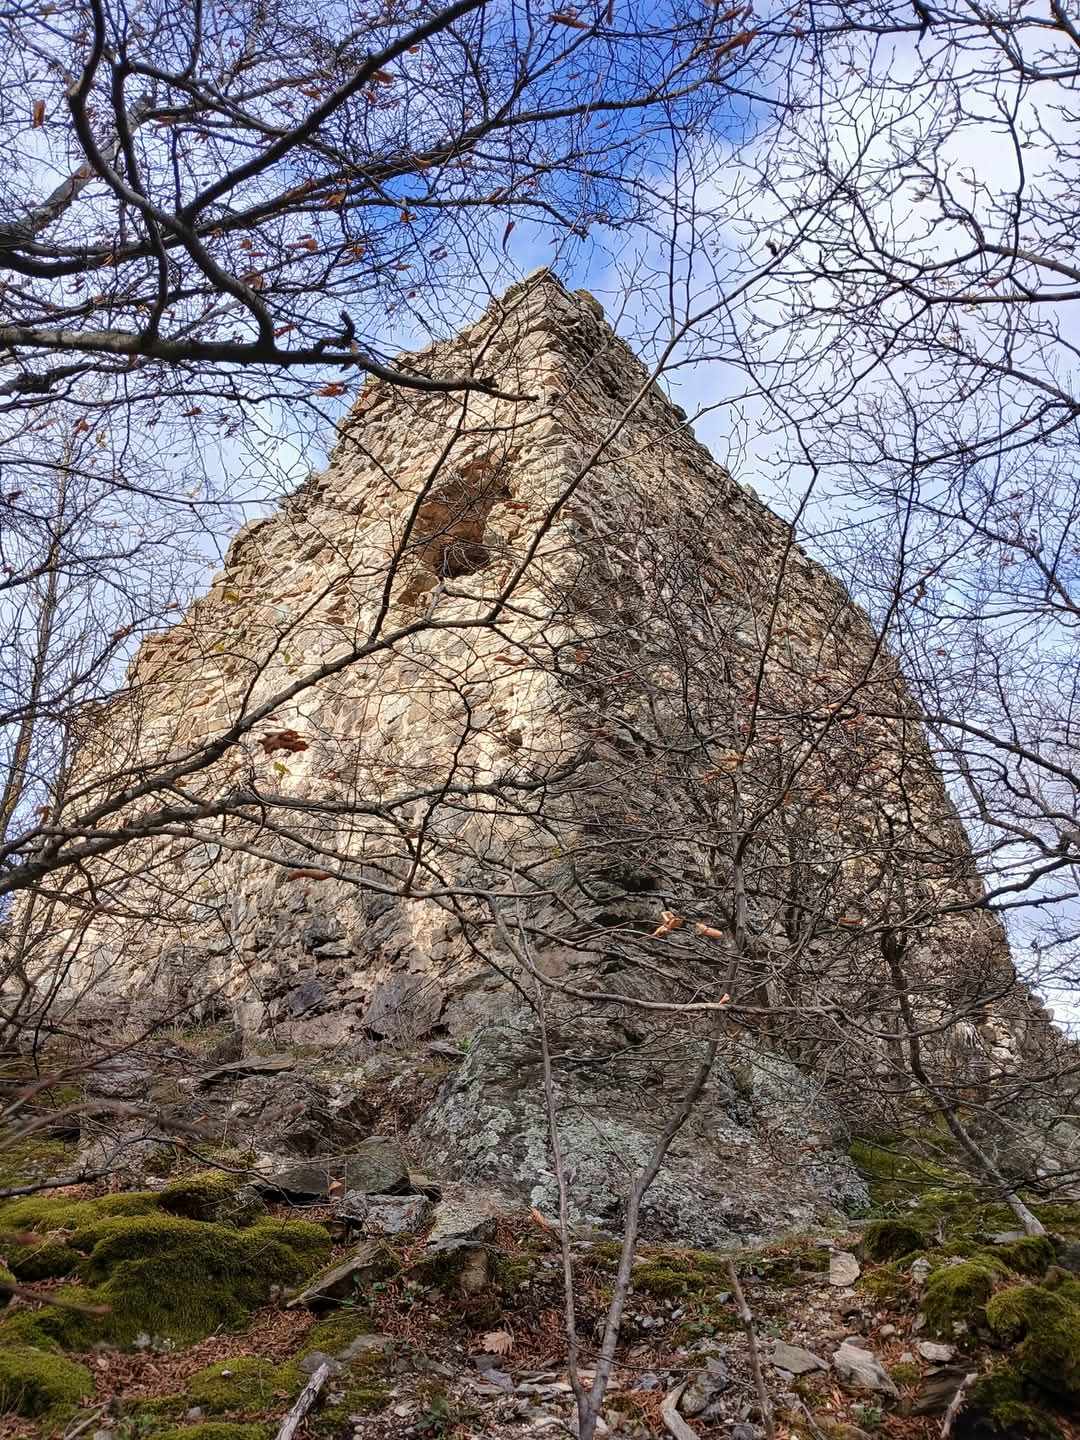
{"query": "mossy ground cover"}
(244, 1383)
(41, 1385)
(157, 1273)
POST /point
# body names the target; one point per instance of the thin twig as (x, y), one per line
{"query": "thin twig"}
(304, 1402)
(755, 1359)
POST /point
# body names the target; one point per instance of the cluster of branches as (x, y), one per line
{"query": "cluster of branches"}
(216, 219)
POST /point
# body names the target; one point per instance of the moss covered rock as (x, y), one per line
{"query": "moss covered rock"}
(33, 1259)
(1030, 1256)
(891, 1239)
(1043, 1327)
(40, 1384)
(168, 1276)
(956, 1295)
(213, 1195)
(164, 1275)
(998, 1405)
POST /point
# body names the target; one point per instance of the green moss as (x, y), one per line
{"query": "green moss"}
(905, 1372)
(31, 1259)
(957, 1295)
(886, 1285)
(165, 1275)
(356, 1399)
(338, 1329)
(33, 1157)
(1043, 1325)
(795, 1266)
(36, 1383)
(54, 1327)
(667, 1273)
(1030, 1256)
(183, 1279)
(45, 1213)
(997, 1403)
(892, 1176)
(217, 1430)
(211, 1195)
(890, 1239)
(513, 1272)
(245, 1382)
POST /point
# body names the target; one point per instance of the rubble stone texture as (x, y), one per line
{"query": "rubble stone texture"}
(528, 673)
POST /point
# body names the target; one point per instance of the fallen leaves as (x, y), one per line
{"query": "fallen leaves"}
(497, 1342)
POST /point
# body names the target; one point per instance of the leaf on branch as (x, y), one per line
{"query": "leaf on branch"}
(283, 740)
(332, 387)
(384, 77)
(497, 1342)
(306, 873)
(709, 931)
(567, 17)
(37, 114)
(669, 921)
(337, 198)
(508, 232)
(851, 921)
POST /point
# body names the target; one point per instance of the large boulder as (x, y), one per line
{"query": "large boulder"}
(721, 1181)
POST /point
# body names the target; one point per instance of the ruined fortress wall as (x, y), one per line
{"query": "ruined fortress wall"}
(562, 659)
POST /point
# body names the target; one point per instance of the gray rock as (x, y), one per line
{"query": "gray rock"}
(306, 996)
(705, 1388)
(844, 1269)
(795, 1359)
(375, 1167)
(742, 1430)
(862, 1370)
(936, 1352)
(341, 1281)
(488, 1126)
(365, 1345)
(457, 1263)
(465, 1212)
(1008, 1237)
(253, 1065)
(397, 1215)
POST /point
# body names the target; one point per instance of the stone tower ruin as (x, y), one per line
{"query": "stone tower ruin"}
(525, 700)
